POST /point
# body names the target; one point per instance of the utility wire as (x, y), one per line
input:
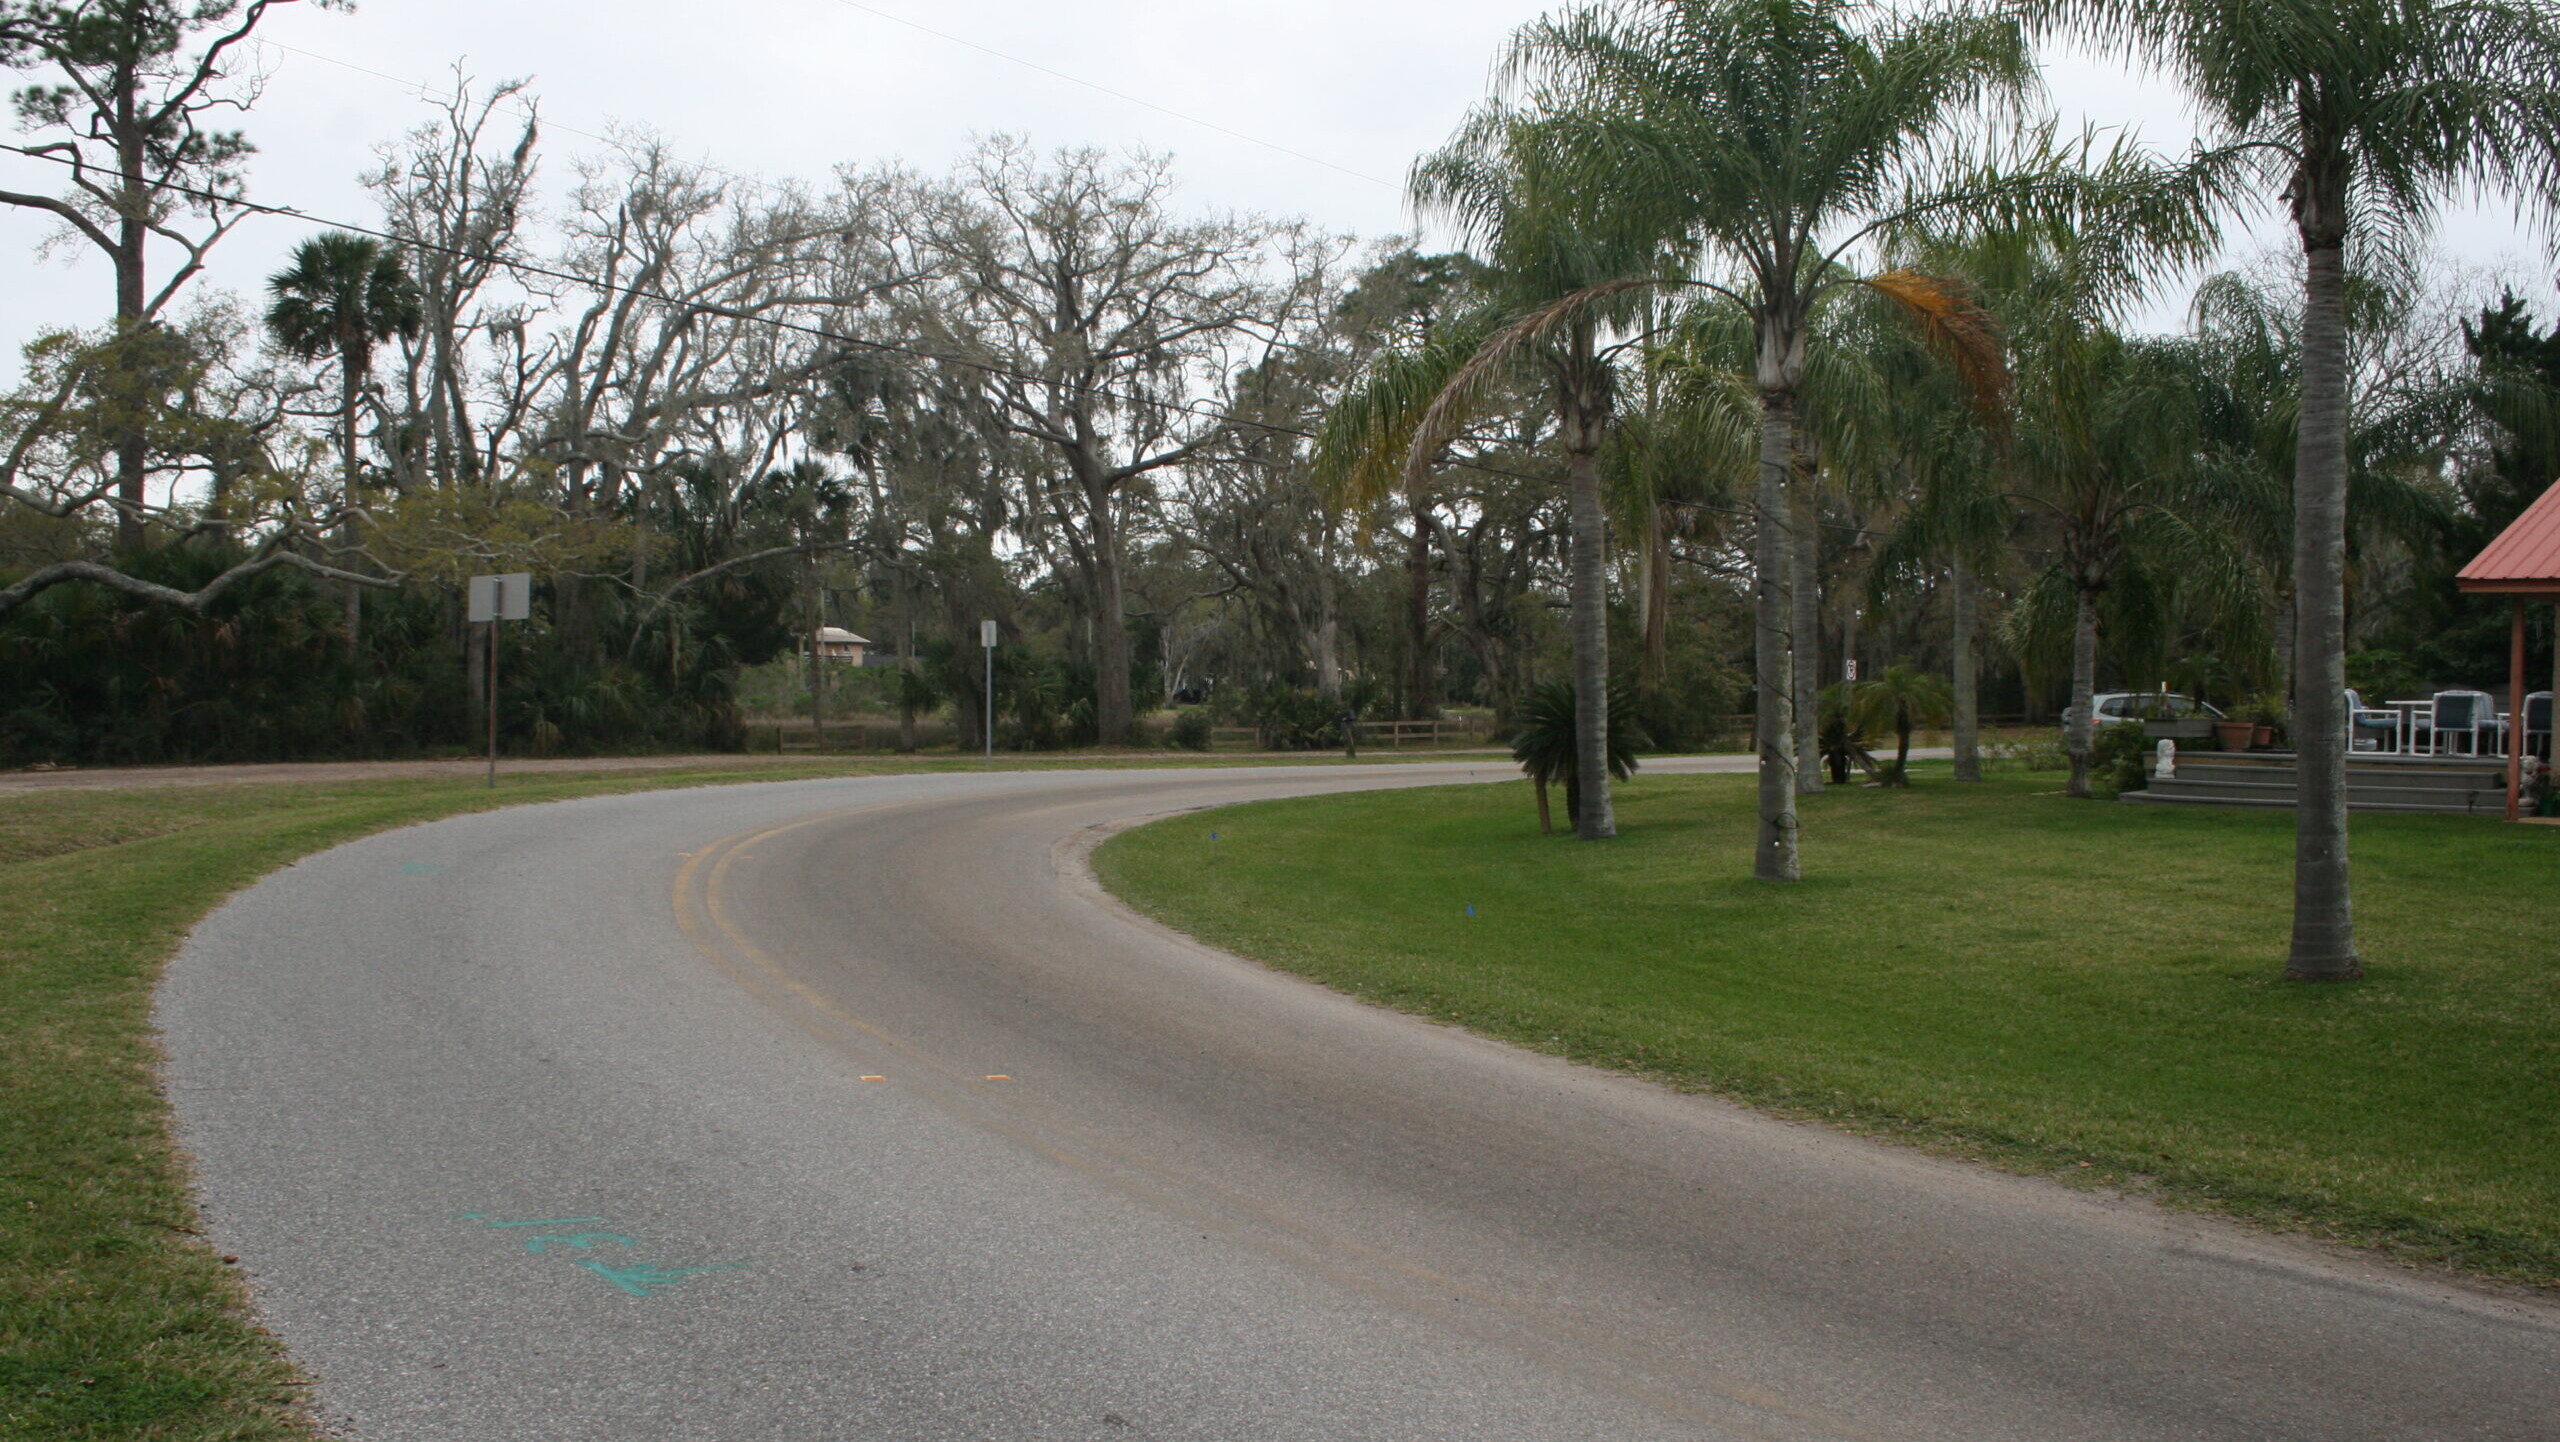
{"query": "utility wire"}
(984, 367)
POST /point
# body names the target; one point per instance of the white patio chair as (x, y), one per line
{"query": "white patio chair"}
(2464, 718)
(2369, 729)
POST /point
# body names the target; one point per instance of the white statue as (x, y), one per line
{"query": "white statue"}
(2166, 768)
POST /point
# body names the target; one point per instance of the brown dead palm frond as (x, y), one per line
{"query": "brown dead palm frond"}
(1956, 326)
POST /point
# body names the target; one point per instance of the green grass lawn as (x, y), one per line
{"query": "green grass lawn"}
(116, 1321)
(2085, 989)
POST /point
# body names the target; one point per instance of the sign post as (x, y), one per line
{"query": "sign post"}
(987, 643)
(494, 599)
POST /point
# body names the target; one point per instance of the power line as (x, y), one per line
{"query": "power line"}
(530, 268)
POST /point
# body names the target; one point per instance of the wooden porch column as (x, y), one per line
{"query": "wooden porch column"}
(2515, 713)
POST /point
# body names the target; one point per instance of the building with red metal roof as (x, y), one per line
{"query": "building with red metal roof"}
(2523, 561)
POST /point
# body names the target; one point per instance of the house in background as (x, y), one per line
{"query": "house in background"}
(835, 643)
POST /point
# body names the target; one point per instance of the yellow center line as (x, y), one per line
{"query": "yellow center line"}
(1346, 1262)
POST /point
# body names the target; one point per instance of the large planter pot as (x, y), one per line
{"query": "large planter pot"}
(2234, 735)
(2262, 736)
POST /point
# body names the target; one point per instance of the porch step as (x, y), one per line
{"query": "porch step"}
(2462, 786)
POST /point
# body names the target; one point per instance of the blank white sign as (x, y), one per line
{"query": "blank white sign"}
(502, 598)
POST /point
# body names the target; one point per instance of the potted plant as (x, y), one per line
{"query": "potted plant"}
(2265, 712)
(2543, 792)
(2235, 732)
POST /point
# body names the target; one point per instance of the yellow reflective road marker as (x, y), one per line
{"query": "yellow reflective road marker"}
(999, 1078)
(875, 1078)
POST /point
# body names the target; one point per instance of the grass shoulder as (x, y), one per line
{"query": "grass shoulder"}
(116, 1321)
(2080, 989)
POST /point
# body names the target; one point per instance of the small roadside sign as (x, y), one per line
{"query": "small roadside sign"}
(494, 599)
(502, 598)
(987, 640)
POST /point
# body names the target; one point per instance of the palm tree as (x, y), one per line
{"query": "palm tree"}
(2109, 464)
(1903, 697)
(1563, 255)
(1548, 746)
(342, 296)
(2363, 115)
(1779, 139)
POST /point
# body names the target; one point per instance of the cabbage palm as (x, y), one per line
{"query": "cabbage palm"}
(1779, 139)
(342, 296)
(2363, 115)
(1903, 697)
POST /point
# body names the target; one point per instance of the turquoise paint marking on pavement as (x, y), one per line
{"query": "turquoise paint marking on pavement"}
(640, 1279)
(581, 1241)
(419, 868)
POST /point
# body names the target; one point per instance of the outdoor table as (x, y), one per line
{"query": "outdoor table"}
(2410, 711)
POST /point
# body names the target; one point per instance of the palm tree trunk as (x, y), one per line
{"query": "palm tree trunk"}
(1773, 663)
(1655, 661)
(350, 379)
(1420, 703)
(1593, 819)
(2324, 938)
(2084, 685)
(1968, 708)
(1804, 554)
(1546, 823)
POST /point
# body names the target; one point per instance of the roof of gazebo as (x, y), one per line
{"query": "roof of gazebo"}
(2525, 559)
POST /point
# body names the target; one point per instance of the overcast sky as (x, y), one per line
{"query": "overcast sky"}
(1355, 88)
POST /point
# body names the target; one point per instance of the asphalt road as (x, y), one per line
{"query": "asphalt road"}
(850, 1110)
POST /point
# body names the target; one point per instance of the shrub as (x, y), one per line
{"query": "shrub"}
(1296, 719)
(2034, 753)
(1191, 729)
(2118, 757)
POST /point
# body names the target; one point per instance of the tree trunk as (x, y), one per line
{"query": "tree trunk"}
(1772, 662)
(817, 665)
(2284, 627)
(1114, 721)
(1421, 703)
(1546, 823)
(133, 236)
(1653, 665)
(1328, 630)
(906, 663)
(2324, 939)
(350, 385)
(1968, 708)
(2084, 685)
(1804, 556)
(1593, 819)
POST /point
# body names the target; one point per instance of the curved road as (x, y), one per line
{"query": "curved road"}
(849, 1109)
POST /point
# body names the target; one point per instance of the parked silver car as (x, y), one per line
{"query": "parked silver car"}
(2110, 707)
